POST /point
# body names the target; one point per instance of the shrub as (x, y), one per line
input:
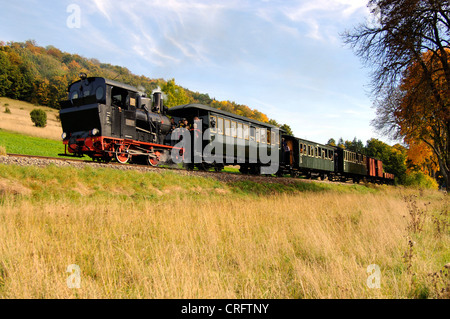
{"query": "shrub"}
(7, 110)
(39, 117)
(420, 180)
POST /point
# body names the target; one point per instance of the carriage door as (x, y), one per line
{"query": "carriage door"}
(290, 143)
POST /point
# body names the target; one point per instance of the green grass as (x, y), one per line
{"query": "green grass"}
(17, 143)
(135, 187)
(105, 184)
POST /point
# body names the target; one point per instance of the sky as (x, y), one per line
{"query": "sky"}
(285, 58)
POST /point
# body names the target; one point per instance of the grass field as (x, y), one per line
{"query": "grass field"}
(18, 135)
(166, 235)
(17, 143)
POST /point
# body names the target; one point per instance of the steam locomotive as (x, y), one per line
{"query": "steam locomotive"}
(108, 120)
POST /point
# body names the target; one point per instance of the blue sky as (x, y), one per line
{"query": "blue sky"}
(284, 58)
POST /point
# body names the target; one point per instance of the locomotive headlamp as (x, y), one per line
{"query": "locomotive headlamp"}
(95, 131)
(64, 135)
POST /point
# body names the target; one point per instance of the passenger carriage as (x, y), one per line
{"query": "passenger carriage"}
(232, 139)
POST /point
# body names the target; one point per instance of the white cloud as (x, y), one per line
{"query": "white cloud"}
(103, 6)
(318, 16)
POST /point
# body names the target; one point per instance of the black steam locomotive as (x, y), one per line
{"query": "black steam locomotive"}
(109, 120)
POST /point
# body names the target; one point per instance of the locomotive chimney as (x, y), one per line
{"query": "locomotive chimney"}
(157, 101)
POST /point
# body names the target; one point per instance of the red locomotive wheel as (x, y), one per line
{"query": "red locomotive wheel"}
(121, 156)
(153, 160)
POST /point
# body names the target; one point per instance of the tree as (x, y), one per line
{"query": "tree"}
(393, 157)
(39, 117)
(288, 129)
(341, 143)
(421, 158)
(175, 94)
(407, 44)
(331, 142)
(355, 146)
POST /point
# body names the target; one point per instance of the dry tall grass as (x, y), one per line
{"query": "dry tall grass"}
(307, 245)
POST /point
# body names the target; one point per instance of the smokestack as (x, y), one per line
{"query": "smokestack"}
(157, 101)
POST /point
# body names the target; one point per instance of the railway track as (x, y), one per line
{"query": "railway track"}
(43, 161)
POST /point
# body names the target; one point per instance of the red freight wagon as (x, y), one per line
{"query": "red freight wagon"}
(379, 168)
(371, 171)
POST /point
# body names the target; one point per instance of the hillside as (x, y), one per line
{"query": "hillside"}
(19, 119)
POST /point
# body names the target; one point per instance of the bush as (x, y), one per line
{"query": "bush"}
(420, 180)
(39, 117)
(2, 150)
(7, 110)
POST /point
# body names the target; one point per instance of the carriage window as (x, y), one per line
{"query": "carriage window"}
(213, 124)
(272, 137)
(233, 128)
(246, 132)
(227, 127)
(252, 133)
(240, 133)
(316, 151)
(269, 135)
(258, 134)
(263, 136)
(277, 138)
(220, 125)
